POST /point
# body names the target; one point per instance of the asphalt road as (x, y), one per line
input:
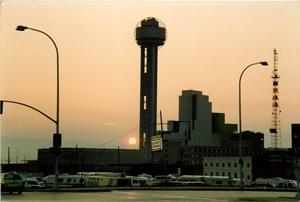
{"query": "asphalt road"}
(153, 195)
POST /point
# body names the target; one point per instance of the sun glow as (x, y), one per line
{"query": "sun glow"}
(132, 141)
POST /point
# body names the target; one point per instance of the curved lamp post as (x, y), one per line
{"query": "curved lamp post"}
(25, 105)
(263, 63)
(57, 135)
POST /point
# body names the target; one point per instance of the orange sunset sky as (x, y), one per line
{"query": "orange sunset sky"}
(208, 45)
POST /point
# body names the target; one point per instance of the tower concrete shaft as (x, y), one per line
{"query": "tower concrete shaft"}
(149, 36)
(148, 99)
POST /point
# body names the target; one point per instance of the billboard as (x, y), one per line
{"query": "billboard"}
(156, 143)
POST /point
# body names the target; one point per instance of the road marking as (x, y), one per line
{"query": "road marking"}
(164, 195)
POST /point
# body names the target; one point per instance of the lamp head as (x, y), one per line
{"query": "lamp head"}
(21, 28)
(264, 63)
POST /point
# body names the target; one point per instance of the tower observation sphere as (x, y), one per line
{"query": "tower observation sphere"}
(149, 34)
(150, 31)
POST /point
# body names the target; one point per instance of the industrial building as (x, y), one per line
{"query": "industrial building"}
(227, 166)
(295, 131)
(295, 134)
(74, 160)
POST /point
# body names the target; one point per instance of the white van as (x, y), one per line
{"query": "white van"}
(141, 181)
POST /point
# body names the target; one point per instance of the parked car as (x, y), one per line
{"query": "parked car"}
(292, 184)
(276, 182)
(12, 182)
(33, 183)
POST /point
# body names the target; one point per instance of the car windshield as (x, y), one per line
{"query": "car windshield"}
(12, 177)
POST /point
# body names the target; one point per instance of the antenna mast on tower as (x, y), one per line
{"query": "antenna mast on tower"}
(275, 128)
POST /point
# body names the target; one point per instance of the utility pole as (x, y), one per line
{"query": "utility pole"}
(76, 159)
(8, 155)
(118, 159)
(164, 148)
(25, 159)
(17, 156)
(161, 123)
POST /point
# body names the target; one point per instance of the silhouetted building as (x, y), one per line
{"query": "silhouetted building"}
(199, 133)
(223, 131)
(149, 35)
(250, 140)
(31, 166)
(73, 160)
(296, 136)
(197, 125)
(195, 109)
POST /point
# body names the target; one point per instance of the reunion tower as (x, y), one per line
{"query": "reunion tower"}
(150, 34)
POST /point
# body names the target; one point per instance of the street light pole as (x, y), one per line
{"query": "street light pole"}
(57, 135)
(23, 28)
(241, 162)
(26, 105)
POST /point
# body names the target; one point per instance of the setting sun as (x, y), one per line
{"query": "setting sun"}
(132, 141)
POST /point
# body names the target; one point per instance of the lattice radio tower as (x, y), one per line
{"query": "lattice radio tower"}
(275, 128)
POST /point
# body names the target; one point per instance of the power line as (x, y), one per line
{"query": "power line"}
(116, 138)
(125, 134)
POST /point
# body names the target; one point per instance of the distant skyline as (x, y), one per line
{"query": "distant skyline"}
(208, 45)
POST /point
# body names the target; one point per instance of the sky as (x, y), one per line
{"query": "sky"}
(208, 45)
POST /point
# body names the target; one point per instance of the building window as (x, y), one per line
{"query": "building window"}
(223, 173)
(229, 165)
(211, 165)
(211, 174)
(248, 177)
(145, 102)
(205, 164)
(145, 60)
(217, 164)
(248, 165)
(229, 174)
(235, 165)
(223, 164)
(235, 175)
(217, 173)
(145, 67)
